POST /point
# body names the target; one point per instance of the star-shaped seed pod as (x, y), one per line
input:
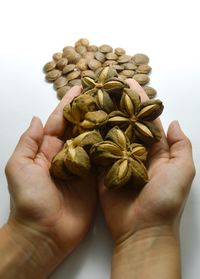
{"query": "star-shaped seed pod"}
(135, 117)
(104, 83)
(81, 112)
(73, 159)
(124, 161)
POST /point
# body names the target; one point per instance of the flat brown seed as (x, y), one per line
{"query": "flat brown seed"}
(57, 56)
(127, 73)
(105, 48)
(89, 55)
(88, 73)
(110, 63)
(120, 51)
(53, 75)
(92, 48)
(100, 56)
(49, 66)
(60, 82)
(111, 56)
(143, 69)
(81, 50)
(62, 91)
(68, 68)
(61, 63)
(141, 78)
(151, 92)
(140, 59)
(74, 82)
(94, 64)
(73, 75)
(82, 42)
(124, 58)
(129, 66)
(82, 64)
(118, 68)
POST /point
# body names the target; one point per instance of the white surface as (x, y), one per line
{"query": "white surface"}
(31, 31)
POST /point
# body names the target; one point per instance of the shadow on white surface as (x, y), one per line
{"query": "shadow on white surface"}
(92, 256)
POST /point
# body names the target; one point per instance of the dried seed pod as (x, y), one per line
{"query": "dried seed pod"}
(53, 75)
(60, 82)
(120, 51)
(94, 119)
(57, 56)
(150, 91)
(143, 69)
(62, 91)
(124, 58)
(58, 168)
(141, 78)
(104, 101)
(140, 59)
(68, 68)
(100, 56)
(73, 75)
(49, 66)
(105, 48)
(61, 63)
(94, 64)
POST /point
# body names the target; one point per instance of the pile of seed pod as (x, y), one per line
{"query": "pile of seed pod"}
(68, 67)
(111, 129)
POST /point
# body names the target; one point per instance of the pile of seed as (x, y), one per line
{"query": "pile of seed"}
(67, 67)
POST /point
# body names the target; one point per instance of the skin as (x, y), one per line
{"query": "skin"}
(48, 219)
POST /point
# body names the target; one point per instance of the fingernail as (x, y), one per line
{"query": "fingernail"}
(33, 120)
(176, 122)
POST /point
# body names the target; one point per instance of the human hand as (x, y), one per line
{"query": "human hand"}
(161, 201)
(53, 212)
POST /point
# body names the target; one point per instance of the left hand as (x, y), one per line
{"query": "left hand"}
(58, 212)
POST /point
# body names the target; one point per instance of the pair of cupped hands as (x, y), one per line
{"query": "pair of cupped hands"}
(61, 212)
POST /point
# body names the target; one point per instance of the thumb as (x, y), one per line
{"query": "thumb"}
(30, 141)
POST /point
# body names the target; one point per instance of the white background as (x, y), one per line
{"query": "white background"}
(168, 31)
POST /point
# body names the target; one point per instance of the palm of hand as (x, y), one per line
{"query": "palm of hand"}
(62, 212)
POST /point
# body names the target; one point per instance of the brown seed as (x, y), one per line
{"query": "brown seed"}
(92, 48)
(129, 66)
(60, 82)
(141, 78)
(49, 66)
(110, 63)
(140, 59)
(81, 50)
(82, 42)
(74, 82)
(127, 73)
(74, 58)
(143, 69)
(53, 75)
(68, 68)
(62, 91)
(124, 58)
(94, 64)
(98, 71)
(111, 56)
(118, 68)
(88, 73)
(89, 55)
(151, 92)
(73, 75)
(68, 49)
(61, 63)
(100, 56)
(105, 48)
(122, 77)
(82, 64)
(57, 56)
(120, 51)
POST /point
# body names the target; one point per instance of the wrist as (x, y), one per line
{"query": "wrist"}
(26, 252)
(148, 253)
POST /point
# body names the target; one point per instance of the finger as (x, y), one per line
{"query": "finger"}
(56, 124)
(30, 141)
